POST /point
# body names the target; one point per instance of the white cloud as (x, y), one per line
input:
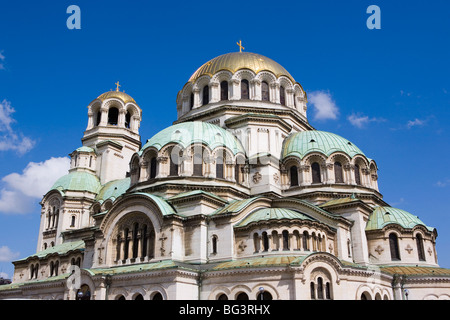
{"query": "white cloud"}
(23, 190)
(360, 121)
(6, 255)
(415, 122)
(443, 184)
(9, 139)
(324, 106)
(2, 58)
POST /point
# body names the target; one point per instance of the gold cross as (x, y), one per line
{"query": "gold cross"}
(118, 85)
(240, 45)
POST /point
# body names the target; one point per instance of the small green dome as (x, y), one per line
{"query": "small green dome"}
(78, 181)
(302, 143)
(113, 189)
(383, 216)
(267, 214)
(187, 133)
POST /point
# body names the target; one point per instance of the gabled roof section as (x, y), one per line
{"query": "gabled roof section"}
(267, 214)
(60, 249)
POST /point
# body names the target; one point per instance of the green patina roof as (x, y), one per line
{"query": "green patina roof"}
(302, 143)
(85, 149)
(164, 206)
(267, 214)
(78, 181)
(187, 133)
(113, 189)
(383, 216)
(235, 206)
(60, 249)
(196, 192)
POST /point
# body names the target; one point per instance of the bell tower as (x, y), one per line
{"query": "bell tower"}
(113, 133)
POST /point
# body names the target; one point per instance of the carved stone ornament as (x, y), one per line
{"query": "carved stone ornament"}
(379, 249)
(409, 249)
(257, 177)
(242, 246)
(276, 178)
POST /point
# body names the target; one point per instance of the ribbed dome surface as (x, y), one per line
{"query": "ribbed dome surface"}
(187, 133)
(78, 181)
(235, 61)
(383, 216)
(118, 95)
(302, 143)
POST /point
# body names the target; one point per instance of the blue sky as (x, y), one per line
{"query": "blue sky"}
(386, 90)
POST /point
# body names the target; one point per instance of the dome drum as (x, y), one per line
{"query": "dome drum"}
(241, 77)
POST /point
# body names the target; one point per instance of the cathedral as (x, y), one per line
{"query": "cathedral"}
(240, 199)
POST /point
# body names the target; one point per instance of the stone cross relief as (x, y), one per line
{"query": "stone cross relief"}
(242, 246)
(409, 249)
(162, 239)
(379, 249)
(100, 259)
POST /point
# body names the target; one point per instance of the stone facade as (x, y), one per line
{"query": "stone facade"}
(240, 199)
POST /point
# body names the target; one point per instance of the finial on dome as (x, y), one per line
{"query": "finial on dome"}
(240, 46)
(118, 85)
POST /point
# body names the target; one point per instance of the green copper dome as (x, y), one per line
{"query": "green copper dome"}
(78, 181)
(267, 214)
(113, 189)
(302, 143)
(383, 216)
(188, 133)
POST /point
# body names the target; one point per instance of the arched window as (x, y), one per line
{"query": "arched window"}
(420, 250)
(84, 293)
(264, 296)
(191, 101)
(205, 99)
(393, 244)
(285, 234)
(256, 242)
(338, 176)
(139, 297)
(174, 162)
(135, 240)
(214, 244)
(245, 89)
(349, 248)
(265, 95)
(128, 120)
(315, 168)
(223, 296)
(219, 168)
(113, 116)
(144, 241)
(305, 241)
(237, 173)
(157, 296)
(126, 244)
(327, 291)
(282, 96)
(294, 176)
(265, 241)
(320, 288)
(99, 118)
(72, 222)
(224, 90)
(312, 291)
(357, 175)
(198, 164)
(242, 296)
(153, 168)
(121, 297)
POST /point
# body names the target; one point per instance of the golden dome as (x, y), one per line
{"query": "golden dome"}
(235, 61)
(118, 95)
